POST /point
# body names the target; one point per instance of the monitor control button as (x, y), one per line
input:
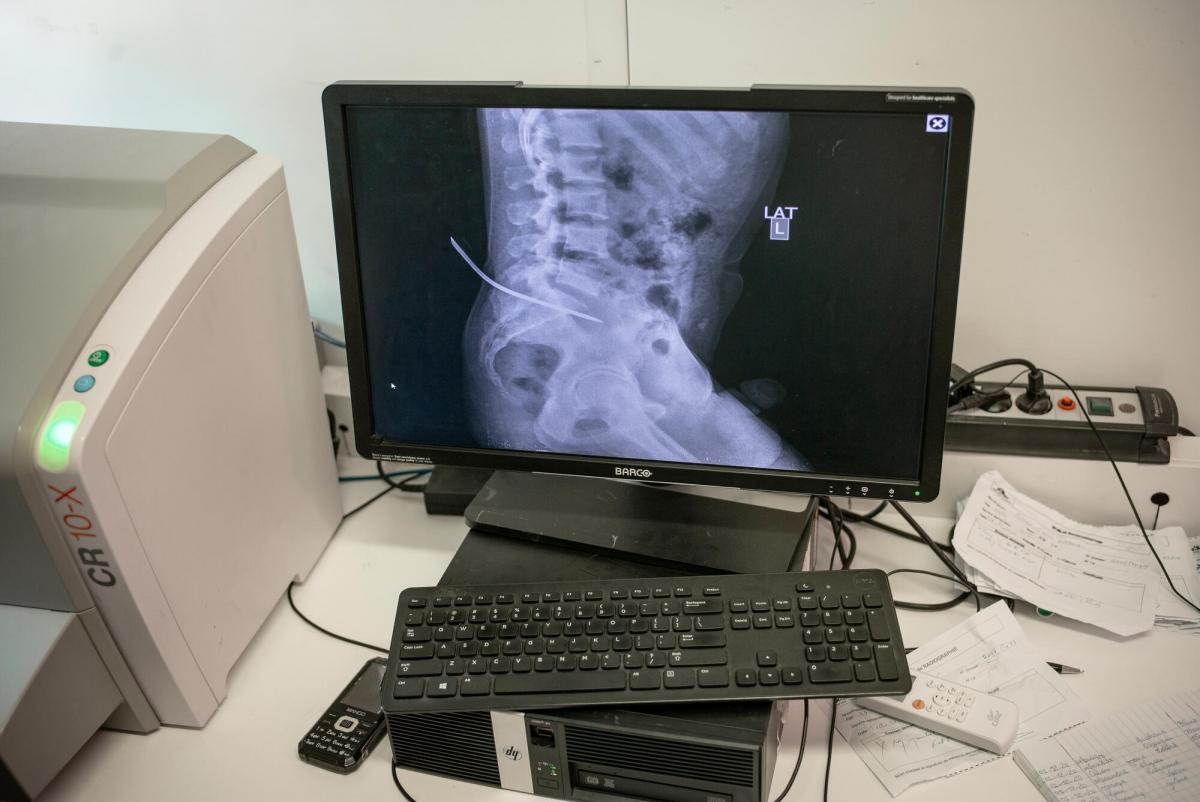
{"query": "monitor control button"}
(98, 357)
(84, 383)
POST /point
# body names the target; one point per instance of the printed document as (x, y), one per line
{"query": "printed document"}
(1101, 575)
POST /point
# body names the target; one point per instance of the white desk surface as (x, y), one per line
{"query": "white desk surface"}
(290, 674)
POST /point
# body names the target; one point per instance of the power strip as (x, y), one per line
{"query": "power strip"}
(1134, 422)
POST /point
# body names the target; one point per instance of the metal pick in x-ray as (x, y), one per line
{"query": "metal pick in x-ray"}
(614, 239)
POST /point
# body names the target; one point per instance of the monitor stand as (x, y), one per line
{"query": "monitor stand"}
(658, 529)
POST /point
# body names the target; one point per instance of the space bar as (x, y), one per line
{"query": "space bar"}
(564, 682)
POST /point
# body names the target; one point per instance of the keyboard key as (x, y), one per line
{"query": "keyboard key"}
(701, 640)
(812, 636)
(421, 668)
(784, 620)
(414, 619)
(739, 621)
(416, 651)
(885, 662)
(632, 659)
(416, 602)
(645, 680)
(739, 606)
(762, 621)
(698, 657)
(589, 662)
(806, 602)
(712, 677)
(864, 672)
(878, 625)
(480, 686)
(872, 600)
(679, 678)
(831, 618)
(782, 605)
(815, 654)
(656, 659)
(592, 595)
(712, 590)
(566, 662)
(839, 653)
(710, 623)
(768, 658)
(829, 601)
(682, 591)
(521, 665)
(851, 601)
(616, 595)
(860, 651)
(701, 606)
(569, 682)
(856, 634)
(543, 662)
(855, 617)
(810, 618)
(792, 676)
(443, 687)
(443, 601)
(760, 606)
(804, 587)
(455, 668)
(745, 677)
(408, 688)
(768, 676)
(499, 665)
(835, 635)
(824, 673)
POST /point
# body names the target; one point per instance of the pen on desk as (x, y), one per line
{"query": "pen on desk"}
(1058, 667)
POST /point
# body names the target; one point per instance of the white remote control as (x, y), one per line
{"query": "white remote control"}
(953, 710)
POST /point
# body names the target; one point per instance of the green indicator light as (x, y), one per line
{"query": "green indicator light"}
(54, 447)
(916, 492)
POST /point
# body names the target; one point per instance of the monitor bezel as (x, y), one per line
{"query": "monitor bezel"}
(957, 102)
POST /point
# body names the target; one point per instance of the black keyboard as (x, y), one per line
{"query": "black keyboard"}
(683, 639)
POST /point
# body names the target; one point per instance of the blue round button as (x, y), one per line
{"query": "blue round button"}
(84, 383)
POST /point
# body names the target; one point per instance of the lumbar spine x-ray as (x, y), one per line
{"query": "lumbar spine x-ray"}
(613, 250)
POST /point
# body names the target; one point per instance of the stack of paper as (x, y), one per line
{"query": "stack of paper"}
(1011, 545)
(988, 652)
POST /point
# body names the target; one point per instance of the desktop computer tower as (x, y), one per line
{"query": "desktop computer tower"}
(705, 753)
(679, 752)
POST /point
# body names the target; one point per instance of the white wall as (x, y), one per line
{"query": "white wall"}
(256, 68)
(1082, 247)
(1083, 221)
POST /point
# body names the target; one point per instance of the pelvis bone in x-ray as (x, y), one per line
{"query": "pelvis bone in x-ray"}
(614, 239)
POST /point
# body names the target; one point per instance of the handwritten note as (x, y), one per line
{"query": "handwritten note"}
(1148, 752)
(988, 652)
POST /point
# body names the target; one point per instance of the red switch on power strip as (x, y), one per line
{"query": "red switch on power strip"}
(1066, 403)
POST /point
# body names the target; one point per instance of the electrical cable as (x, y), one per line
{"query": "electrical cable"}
(949, 563)
(966, 379)
(369, 501)
(396, 780)
(829, 747)
(928, 607)
(374, 477)
(799, 756)
(946, 547)
(326, 338)
(405, 484)
(322, 629)
(1124, 488)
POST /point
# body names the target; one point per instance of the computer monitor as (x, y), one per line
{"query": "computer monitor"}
(751, 288)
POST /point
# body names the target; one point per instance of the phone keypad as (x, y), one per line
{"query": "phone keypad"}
(340, 738)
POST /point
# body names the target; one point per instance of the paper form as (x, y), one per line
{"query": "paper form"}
(1100, 575)
(1148, 752)
(1173, 614)
(988, 652)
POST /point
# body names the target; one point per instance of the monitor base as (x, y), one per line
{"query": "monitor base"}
(631, 522)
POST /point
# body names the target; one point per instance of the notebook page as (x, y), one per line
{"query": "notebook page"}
(1149, 752)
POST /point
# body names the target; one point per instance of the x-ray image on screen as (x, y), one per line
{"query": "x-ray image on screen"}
(720, 288)
(614, 242)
